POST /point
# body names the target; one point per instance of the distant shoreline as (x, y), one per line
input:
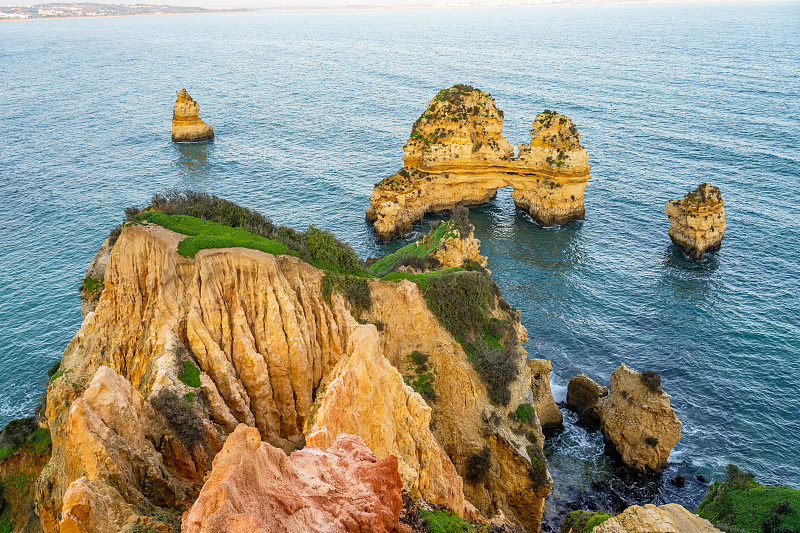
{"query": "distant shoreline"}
(211, 11)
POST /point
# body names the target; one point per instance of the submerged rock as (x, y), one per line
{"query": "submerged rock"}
(582, 395)
(636, 417)
(186, 124)
(456, 154)
(549, 414)
(255, 487)
(670, 518)
(697, 223)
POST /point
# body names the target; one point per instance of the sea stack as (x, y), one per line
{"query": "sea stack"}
(697, 221)
(456, 154)
(186, 124)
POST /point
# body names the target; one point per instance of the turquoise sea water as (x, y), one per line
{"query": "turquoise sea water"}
(311, 109)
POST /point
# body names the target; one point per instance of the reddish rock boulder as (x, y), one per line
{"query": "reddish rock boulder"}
(255, 488)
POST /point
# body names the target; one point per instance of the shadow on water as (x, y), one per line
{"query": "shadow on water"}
(194, 163)
(689, 280)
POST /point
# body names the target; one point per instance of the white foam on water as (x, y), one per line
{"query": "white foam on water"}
(559, 391)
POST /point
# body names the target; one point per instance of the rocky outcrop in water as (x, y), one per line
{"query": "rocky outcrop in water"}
(456, 154)
(583, 394)
(670, 518)
(636, 417)
(186, 124)
(549, 414)
(697, 223)
(180, 351)
(366, 396)
(255, 487)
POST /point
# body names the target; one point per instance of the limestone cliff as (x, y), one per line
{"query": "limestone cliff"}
(225, 338)
(181, 350)
(256, 488)
(549, 414)
(670, 518)
(636, 417)
(697, 223)
(186, 124)
(366, 396)
(456, 154)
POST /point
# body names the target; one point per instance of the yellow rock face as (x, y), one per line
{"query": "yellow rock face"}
(263, 338)
(549, 414)
(457, 155)
(186, 124)
(454, 251)
(463, 419)
(366, 396)
(670, 518)
(697, 223)
(639, 422)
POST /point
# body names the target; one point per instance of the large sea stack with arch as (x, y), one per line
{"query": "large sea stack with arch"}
(456, 154)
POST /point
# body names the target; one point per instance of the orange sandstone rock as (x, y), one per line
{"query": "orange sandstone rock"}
(457, 155)
(186, 124)
(256, 488)
(670, 518)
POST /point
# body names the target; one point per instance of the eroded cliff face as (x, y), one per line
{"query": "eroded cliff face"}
(464, 420)
(638, 421)
(457, 155)
(549, 414)
(225, 338)
(670, 518)
(256, 488)
(697, 223)
(181, 351)
(186, 124)
(366, 396)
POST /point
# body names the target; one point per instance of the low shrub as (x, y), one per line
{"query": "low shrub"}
(524, 413)
(444, 521)
(460, 218)
(496, 367)
(651, 441)
(538, 469)
(478, 465)
(92, 287)
(355, 290)
(54, 369)
(17, 432)
(584, 521)
(652, 380)
(181, 417)
(329, 253)
(421, 375)
(461, 302)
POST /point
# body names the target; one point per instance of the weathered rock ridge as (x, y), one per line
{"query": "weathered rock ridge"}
(583, 394)
(181, 351)
(549, 414)
(457, 155)
(256, 488)
(638, 420)
(366, 396)
(697, 223)
(670, 518)
(186, 124)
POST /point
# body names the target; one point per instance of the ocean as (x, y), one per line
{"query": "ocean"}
(310, 109)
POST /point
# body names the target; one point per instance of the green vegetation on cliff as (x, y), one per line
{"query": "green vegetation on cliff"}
(583, 521)
(740, 504)
(24, 450)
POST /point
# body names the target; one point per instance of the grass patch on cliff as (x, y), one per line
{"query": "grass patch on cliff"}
(213, 222)
(741, 504)
(203, 234)
(416, 250)
(420, 374)
(584, 521)
(92, 287)
(23, 432)
(355, 289)
(190, 375)
(444, 521)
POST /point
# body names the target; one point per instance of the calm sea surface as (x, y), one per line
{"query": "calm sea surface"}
(311, 109)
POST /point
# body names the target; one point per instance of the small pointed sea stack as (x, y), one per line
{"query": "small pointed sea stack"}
(697, 221)
(186, 124)
(456, 154)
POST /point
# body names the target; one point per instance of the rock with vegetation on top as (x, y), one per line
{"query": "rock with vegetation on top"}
(255, 487)
(186, 124)
(697, 223)
(366, 396)
(742, 504)
(582, 395)
(636, 417)
(583, 521)
(549, 414)
(456, 154)
(202, 326)
(669, 518)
